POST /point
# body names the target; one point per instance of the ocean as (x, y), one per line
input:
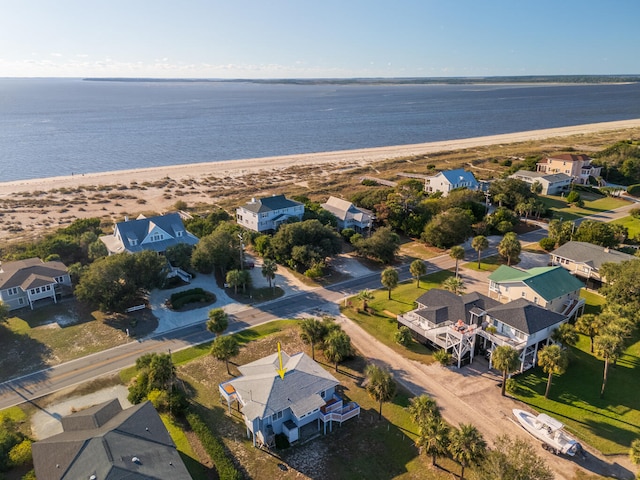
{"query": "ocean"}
(51, 127)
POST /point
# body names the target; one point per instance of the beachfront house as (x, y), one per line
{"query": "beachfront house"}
(449, 180)
(348, 215)
(153, 233)
(551, 183)
(578, 167)
(474, 324)
(25, 282)
(267, 214)
(105, 441)
(552, 288)
(584, 260)
(303, 398)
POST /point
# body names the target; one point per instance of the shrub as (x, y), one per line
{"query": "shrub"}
(369, 183)
(511, 386)
(403, 336)
(547, 243)
(347, 233)
(573, 196)
(180, 205)
(314, 272)
(214, 447)
(635, 212)
(634, 190)
(443, 357)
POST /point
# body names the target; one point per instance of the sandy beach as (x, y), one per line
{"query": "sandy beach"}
(61, 200)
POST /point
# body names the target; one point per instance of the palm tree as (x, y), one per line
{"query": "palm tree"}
(269, 268)
(553, 360)
(422, 409)
(337, 347)
(505, 359)
(224, 348)
(417, 269)
(565, 335)
(608, 347)
(479, 244)
(218, 321)
(590, 325)
(467, 446)
(457, 253)
(389, 279)
(364, 296)
(234, 279)
(454, 285)
(434, 438)
(312, 332)
(379, 384)
(509, 247)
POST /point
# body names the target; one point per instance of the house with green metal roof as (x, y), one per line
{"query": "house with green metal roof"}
(550, 287)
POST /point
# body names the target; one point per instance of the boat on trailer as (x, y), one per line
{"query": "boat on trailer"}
(548, 430)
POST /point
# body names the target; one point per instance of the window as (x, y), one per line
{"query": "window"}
(524, 294)
(21, 301)
(535, 300)
(322, 393)
(13, 291)
(179, 233)
(133, 242)
(276, 416)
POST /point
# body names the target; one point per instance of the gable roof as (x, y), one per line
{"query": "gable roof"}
(548, 282)
(110, 443)
(440, 305)
(459, 175)
(343, 210)
(269, 204)
(590, 254)
(133, 232)
(570, 157)
(264, 393)
(525, 316)
(30, 273)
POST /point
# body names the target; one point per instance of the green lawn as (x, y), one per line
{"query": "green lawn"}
(380, 322)
(176, 430)
(632, 224)
(487, 264)
(608, 424)
(592, 205)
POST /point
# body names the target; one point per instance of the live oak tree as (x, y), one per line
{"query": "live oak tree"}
(513, 459)
(449, 228)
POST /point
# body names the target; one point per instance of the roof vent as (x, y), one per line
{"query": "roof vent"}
(93, 477)
(136, 460)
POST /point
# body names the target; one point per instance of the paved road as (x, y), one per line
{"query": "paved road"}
(45, 382)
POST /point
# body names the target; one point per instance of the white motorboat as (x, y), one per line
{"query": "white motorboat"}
(549, 431)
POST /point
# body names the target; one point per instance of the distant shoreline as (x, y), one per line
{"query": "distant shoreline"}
(235, 168)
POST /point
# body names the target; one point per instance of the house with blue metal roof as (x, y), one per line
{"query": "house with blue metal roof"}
(153, 233)
(450, 180)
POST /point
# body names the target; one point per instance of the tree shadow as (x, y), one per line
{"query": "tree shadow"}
(21, 354)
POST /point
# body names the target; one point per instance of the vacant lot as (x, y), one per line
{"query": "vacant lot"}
(593, 204)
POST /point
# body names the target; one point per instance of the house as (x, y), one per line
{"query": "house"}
(23, 282)
(153, 233)
(267, 214)
(107, 442)
(552, 183)
(471, 324)
(272, 404)
(449, 180)
(552, 288)
(578, 167)
(348, 215)
(584, 259)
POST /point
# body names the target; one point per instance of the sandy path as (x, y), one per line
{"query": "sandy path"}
(360, 156)
(471, 395)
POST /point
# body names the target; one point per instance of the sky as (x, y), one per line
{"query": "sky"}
(317, 38)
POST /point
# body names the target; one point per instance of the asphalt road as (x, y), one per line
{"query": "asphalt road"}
(45, 382)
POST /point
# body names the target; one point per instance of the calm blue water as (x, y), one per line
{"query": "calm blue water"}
(51, 127)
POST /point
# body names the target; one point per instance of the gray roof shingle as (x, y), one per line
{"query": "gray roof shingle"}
(269, 204)
(525, 316)
(590, 254)
(439, 306)
(30, 273)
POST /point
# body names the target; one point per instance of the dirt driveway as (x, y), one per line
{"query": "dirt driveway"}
(471, 395)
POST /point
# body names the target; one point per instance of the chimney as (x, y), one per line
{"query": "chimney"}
(126, 218)
(253, 200)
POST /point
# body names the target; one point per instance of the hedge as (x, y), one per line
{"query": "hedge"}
(634, 189)
(214, 447)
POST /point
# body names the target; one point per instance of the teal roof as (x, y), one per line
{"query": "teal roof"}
(548, 282)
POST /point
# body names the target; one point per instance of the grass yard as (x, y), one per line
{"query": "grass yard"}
(380, 322)
(196, 469)
(632, 224)
(62, 332)
(608, 424)
(362, 448)
(592, 204)
(487, 264)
